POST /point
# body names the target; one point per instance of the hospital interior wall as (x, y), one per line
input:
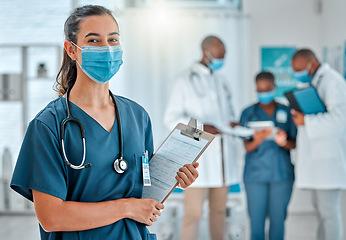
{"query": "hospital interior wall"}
(333, 22)
(334, 34)
(280, 23)
(161, 44)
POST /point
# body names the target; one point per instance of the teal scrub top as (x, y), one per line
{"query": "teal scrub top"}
(40, 165)
(269, 162)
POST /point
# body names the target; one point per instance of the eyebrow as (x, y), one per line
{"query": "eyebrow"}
(97, 35)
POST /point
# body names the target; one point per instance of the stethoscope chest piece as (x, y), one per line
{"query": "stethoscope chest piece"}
(120, 165)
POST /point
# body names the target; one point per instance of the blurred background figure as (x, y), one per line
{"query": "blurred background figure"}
(202, 93)
(321, 143)
(268, 172)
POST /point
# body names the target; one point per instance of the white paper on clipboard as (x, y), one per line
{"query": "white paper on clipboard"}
(176, 151)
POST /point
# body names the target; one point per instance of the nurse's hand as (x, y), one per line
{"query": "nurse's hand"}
(298, 118)
(144, 210)
(262, 134)
(187, 175)
(281, 138)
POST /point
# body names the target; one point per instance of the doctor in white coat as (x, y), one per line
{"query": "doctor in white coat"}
(202, 93)
(321, 143)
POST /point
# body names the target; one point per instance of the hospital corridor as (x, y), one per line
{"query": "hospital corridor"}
(173, 119)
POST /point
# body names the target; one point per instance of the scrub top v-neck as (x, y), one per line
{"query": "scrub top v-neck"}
(269, 162)
(40, 165)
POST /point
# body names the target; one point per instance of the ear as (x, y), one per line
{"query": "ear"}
(314, 65)
(70, 50)
(204, 53)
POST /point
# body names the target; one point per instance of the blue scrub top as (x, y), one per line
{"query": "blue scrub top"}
(40, 165)
(269, 162)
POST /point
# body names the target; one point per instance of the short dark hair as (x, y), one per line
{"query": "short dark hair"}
(305, 53)
(265, 75)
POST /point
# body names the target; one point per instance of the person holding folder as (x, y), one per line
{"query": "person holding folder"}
(202, 93)
(321, 143)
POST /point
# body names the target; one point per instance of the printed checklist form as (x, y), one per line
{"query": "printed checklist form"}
(180, 147)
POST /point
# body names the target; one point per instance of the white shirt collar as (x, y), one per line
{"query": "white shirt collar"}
(200, 68)
(323, 67)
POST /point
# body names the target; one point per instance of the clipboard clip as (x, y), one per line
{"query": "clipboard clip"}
(191, 130)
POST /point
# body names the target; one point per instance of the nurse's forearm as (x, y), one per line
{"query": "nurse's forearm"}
(55, 214)
(290, 144)
(252, 145)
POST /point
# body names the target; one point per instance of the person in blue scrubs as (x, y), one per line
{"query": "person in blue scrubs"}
(268, 172)
(95, 202)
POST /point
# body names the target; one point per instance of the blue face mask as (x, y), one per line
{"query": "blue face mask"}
(101, 63)
(215, 63)
(303, 76)
(266, 97)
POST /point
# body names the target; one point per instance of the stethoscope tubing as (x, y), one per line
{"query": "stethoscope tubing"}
(81, 127)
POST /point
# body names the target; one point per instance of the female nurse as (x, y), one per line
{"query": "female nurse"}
(268, 173)
(99, 201)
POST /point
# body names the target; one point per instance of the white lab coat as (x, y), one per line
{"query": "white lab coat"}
(200, 94)
(321, 143)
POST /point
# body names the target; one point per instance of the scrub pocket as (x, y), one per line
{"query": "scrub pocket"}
(151, 236)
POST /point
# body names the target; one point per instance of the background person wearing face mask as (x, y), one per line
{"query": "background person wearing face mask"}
(321, 143)
(202, 93)
(268, 172)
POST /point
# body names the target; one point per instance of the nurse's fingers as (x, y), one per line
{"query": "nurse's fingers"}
(183, 180)
(293, 112)
(187, 175)
(159, 206)
(190, 172)
(193, 170)
(196, 165)
(156, 212)
(153, 218)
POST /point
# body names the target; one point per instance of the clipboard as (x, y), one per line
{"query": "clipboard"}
(184, 145)
(306, 100)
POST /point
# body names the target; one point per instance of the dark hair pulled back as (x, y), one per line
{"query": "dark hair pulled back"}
(67, 75)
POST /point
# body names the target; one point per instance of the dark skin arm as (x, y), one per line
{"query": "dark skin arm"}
(258, 138)
(234, 124)
(213, 130)
(283, 142)
(298, 118)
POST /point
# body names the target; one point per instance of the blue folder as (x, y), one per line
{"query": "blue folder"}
(306, 100)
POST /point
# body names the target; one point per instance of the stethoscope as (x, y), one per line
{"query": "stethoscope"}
(255, 114)
(193, 75)
(119, 165)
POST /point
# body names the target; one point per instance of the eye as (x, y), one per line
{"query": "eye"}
(114, 40)
(92, 41)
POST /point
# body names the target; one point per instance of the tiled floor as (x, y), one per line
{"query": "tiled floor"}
(298, 227)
